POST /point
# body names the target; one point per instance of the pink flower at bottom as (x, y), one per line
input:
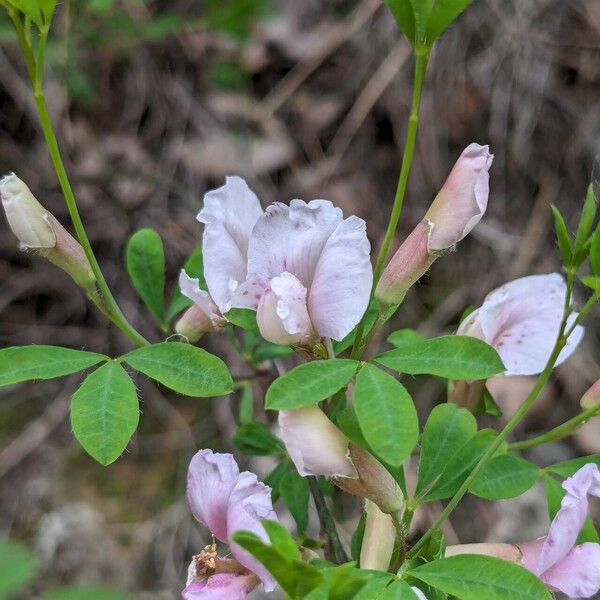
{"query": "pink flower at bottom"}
(226, 501)
(555, 559)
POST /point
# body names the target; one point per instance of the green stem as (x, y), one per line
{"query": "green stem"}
(35, 69)
(422, 58)
(558, 433)
(334, 551)
(510, 426)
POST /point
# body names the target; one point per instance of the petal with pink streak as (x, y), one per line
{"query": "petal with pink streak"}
(229, 214)
(292, 238)
(570, 518)
(212, 478)
(249, 504)
(315, 444)
(577, 574)
(521, 319)
(463, 199)
(341, 285)
(221, 586)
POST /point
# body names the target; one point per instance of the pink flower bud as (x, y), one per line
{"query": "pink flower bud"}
(39, 231)
(374, 482)
(591, 399)
(314, 443)
(455, 211)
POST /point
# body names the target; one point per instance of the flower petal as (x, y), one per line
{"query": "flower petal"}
(190, 288)
(577, 574)
(282, 315)
(212, 478)
(463, 199)
(569, 520)
(221, 586)
(521, 320)
(249, 504)
(292, 238)
(229, 214)
(341, 285)
(314, 443)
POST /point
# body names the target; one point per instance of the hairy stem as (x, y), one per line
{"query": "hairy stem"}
(334, 549)
(422, 58)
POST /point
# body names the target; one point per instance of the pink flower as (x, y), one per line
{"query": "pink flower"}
(226, 501)
(521, 320)
(458, 207)
(572, 569)
(303, 267)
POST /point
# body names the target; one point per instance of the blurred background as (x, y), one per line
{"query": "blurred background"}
(154, 103)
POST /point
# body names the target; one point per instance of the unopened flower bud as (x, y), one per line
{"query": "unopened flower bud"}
(591, 399)
(39, 231)
(458, 207)
(193, 324)
(378, 539)
(374, 482)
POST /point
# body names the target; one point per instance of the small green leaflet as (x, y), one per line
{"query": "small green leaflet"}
(568, 468)
(443, 14)
(256, 439)
(295, 493)
(595, 251)
(447, 429)
(105, 412)
(184, 368)
(309, 383)
(565, 243)
(17, 566)
(405, 18)
(475, 577)
(243, 317)
(453, 356)
(24, 363)
(505, 476)
(386, 414)
(145, 258)
(405, 337)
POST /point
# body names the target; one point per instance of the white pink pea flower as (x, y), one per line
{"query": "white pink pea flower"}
(455, 211)
(556, 559)
(226, 501)
(303, 267)
(39, 231)
(521, 320)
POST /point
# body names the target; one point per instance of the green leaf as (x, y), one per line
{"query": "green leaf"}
(568, 468)
(256, 439)
(243, 317)
(357, 537)
(268, 351)
(475, 577)
(24, 363)
(405, 18)
(565, 244)
(273, 479)
(421, 11)
(443, 14)
(296, 577)
(246, 408)
(460, 465)
(386, 414)
(87, 592)
(447, 430)
(17, 566)
(145, 258)
(309, 383)
(505, 476)
(451, 356)
(398, 590)
(105, 412)
(184, 368)
(586, 223)
(295, 493)
(281, 539)
(595, 252)
(487, 405)
(405, 337)
(592, 282)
